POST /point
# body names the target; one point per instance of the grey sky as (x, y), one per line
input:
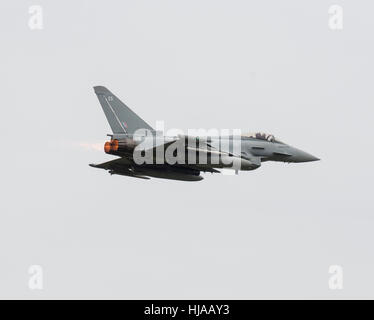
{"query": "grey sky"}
(273, 66)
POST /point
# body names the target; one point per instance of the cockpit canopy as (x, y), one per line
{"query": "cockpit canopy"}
(261, 136)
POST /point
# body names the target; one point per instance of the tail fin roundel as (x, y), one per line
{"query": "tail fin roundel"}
(120, 117)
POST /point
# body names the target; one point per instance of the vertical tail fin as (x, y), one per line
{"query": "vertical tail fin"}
(120, 117)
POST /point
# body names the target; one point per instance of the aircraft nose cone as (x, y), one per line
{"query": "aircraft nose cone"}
(308, 157)
(302, 156)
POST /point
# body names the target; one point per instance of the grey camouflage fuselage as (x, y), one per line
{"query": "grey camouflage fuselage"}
(145, 153)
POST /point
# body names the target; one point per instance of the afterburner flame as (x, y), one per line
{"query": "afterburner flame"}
(111, 146)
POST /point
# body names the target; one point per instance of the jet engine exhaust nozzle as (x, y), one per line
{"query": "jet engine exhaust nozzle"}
(111, 146)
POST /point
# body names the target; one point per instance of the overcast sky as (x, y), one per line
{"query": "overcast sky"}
(273, 66)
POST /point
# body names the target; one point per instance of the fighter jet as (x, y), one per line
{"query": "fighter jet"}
(143, 152)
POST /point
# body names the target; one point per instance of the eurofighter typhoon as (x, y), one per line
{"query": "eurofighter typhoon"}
(143, 152)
